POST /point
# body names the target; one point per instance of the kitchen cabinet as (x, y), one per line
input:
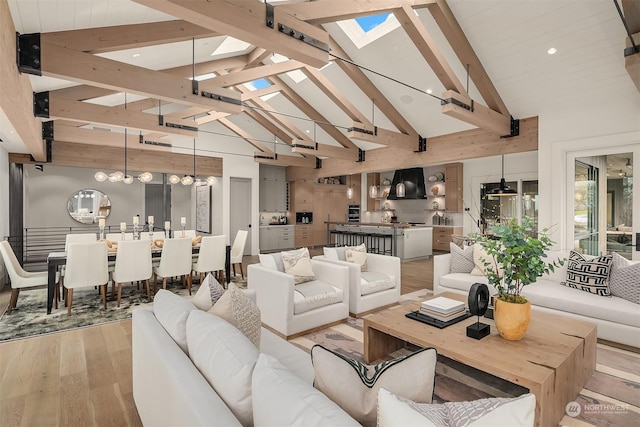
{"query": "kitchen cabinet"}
(276, 238)
(453, 187)
(273, 189)
(302, 191)
(330, 203)
(442, 237)
(303, 236)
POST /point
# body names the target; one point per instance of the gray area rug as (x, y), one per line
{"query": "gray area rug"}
(30, 317)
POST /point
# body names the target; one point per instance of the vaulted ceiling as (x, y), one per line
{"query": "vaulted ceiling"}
(115, 64)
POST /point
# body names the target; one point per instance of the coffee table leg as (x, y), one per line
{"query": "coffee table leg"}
(377, 344)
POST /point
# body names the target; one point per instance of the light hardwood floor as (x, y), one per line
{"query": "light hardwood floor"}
(83, 377)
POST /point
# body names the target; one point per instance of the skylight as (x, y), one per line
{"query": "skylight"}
(368, 23)
(260, 84)
(231, 45)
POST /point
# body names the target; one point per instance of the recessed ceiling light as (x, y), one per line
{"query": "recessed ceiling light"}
(429, 91)
(552, 50)
(135, 55)
(308, 131)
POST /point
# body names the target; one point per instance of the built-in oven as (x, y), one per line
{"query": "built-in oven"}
(304, 217)
(353, 213)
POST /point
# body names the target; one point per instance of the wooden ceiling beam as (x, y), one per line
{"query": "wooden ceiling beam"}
(315, 115)
(282, 160)
(245, 135)
(480, 116)
(248, 75)
(632, 62)
(371, 91)
(325, 150)
(60, 108)
(451, 29)
(247, 96)
(83, 67)
(256, 56)
(335, 95)
(106, 138)
(120, 37)
(325, 11)
(385, 137)
(281, 120)
(428, 49)
(246, 20)
(259, 118)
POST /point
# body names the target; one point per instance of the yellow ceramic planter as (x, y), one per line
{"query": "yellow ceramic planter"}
(512, 320)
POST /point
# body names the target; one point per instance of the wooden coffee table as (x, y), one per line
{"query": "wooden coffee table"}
(554, 360)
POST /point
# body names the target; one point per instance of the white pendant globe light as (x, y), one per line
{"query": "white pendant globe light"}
(145, 177)
(174, 179)
(100, 176)
(128, 179)
(187, 180)
(211, 180)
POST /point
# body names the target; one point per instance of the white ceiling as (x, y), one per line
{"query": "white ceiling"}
(511, 39)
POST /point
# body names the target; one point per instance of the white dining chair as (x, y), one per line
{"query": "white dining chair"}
(174, 261)
(237, 250)
(211, 257)
(86, 267)
(20, 278)
(133, 263)
(73, 238)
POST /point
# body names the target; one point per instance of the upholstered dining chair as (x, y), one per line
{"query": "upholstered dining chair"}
(212, 256)
(174, 261)
(133, 263)
(73, 238)
(86, 268)
(237, 250)
(19, 278)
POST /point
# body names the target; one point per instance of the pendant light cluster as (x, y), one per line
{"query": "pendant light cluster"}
(191, 179)
(119, 176)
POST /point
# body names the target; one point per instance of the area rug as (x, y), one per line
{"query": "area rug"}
(30, 317)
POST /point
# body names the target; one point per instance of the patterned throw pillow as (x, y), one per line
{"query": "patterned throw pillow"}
(208, 293)
(358, 255)
(394, 410)
(461, 259)
(589, 274)
(354, 386)
(298, 264)
(624, 281)
(237, 308)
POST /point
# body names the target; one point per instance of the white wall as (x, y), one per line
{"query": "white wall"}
(4, 204)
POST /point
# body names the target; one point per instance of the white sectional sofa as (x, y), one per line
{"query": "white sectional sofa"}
(618, 320)
(170, 390)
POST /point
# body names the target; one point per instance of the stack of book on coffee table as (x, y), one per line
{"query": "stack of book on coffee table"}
(443, 309)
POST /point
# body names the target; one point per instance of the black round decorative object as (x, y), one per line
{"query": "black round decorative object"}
(478, 299)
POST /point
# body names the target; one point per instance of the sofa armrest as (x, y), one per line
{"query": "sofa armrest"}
(390, 265)
(441, 267)
(274, 295)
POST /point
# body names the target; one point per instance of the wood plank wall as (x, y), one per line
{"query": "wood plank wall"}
(470, 144)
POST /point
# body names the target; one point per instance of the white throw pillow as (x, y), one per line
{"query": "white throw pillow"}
(280, 398)
(396, 411)
(357, 255)
(237, 308)
(172, 311)
(298, 264)
(267, 261)
(479, 256)
(461, 259)
(331, 253)
(208, 293)
(354, 386)
(226, 358)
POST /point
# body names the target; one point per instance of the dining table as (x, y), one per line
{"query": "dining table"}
(55, 260)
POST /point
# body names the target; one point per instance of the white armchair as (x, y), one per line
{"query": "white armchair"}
(377, 288)
(288, 312)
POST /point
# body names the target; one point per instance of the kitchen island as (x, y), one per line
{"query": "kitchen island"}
(404, 240)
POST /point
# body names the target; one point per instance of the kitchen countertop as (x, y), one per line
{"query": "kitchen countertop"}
(277, 225)
(380, 224)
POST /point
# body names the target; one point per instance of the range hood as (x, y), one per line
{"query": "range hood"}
(413, 180)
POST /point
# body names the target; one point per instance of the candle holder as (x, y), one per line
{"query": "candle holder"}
(167, 233)
(151, 231)
(122, 235)
(136, 232)
(183, 231)
(102, 232)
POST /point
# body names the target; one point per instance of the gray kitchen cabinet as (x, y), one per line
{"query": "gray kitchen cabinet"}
(276, 238)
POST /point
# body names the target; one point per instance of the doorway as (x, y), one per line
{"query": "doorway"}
(157, 202)
(240, 210)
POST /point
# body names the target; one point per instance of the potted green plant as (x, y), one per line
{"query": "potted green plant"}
(517, 259)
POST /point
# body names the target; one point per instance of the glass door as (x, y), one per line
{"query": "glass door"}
(585, 208)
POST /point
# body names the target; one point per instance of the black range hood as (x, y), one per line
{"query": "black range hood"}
(413, 180)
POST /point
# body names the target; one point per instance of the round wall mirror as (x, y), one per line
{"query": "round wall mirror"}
(88, 206)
